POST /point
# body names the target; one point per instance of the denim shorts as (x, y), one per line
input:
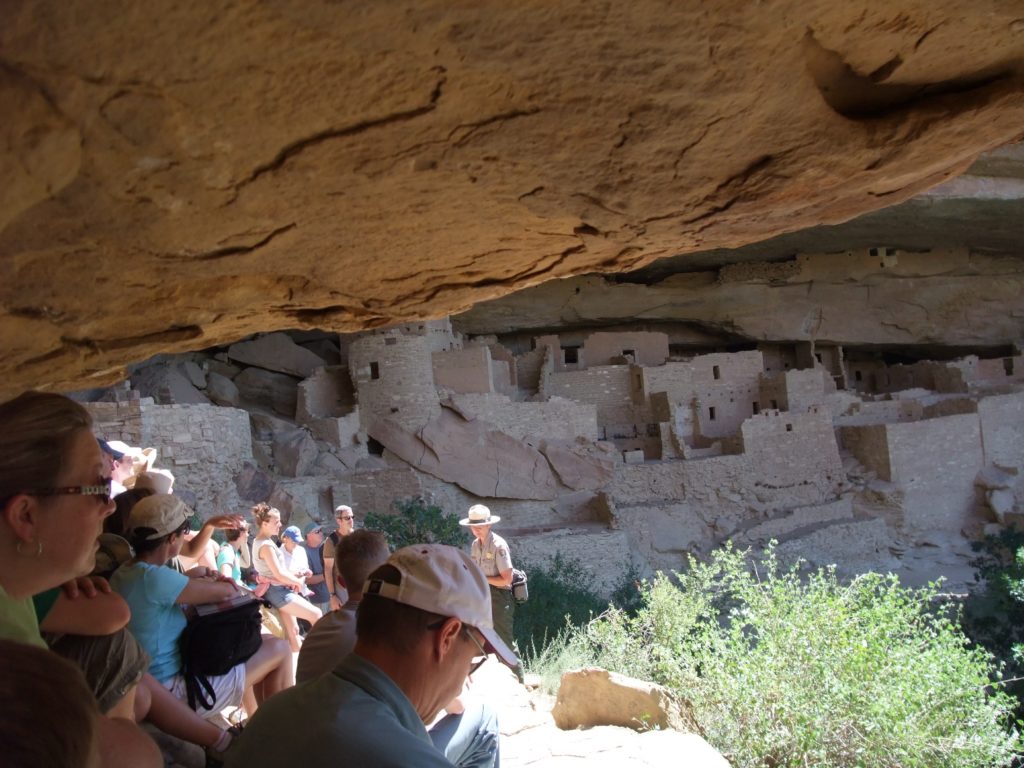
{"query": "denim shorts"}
(279, 596)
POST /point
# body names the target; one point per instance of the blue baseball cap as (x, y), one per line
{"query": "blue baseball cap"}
(292, 532)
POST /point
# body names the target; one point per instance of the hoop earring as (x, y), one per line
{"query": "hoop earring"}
(38, 552)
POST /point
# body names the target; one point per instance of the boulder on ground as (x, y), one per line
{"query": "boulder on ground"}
(595, 696)
(276, 352)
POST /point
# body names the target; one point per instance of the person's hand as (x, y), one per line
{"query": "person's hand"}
(335, 603)
(225, 522)
(88, 586)
(221, 577)
(455, 706)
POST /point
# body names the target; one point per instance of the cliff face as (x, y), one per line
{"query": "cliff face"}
(178, 175)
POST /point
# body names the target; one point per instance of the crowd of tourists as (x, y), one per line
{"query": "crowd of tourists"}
(117, 608)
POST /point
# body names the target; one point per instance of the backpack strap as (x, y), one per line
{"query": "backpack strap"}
(199, 690)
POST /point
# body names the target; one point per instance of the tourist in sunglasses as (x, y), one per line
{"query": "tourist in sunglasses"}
(54, 496)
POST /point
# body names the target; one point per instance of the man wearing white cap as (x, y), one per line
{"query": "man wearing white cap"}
(423, 625)
(491, 554)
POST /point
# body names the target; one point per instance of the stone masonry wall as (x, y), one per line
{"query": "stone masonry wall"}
(787, 449)
(674, 379)
(936, 462)
(649, 348)
(555, 419)
(807, 387)
(1002, 429)
(463, 370)
(394, 377)
(528, 368)
(881, 412)
(608, 387)
(327, 393)
(870, 446)
(204, 446)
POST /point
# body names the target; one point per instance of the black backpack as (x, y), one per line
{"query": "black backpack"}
(213, 643)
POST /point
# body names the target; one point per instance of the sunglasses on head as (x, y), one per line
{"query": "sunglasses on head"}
(102, 490)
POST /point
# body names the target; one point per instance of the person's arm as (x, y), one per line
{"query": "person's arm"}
(196, 546)
(226, 561)
(503, 561)
(102, 614)
(200, 591)
(332, 583)
(504, 581)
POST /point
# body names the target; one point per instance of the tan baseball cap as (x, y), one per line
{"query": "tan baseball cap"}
(162, 512)
(444, 580)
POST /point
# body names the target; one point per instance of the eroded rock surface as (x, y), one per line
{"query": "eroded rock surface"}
(176, 185)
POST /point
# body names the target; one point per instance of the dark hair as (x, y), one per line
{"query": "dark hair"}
(357, 555)
(140, 542)
(50, 715)
(383, 621)
(36, 431)
(234, 534)
(117, 523)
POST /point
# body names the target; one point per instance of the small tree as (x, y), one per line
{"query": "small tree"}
(415, 522)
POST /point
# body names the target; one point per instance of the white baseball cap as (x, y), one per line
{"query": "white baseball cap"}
(444, 580)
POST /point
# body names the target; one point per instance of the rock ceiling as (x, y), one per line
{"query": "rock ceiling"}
(180, 174)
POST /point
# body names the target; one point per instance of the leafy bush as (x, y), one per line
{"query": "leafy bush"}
(790, 671)
(414, 522)
(994, 614)
(560, 595)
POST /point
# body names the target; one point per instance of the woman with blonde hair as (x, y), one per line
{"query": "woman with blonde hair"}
(285, 587)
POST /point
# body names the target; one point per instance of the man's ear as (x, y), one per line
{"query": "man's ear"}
(447, 636)
(20, 513)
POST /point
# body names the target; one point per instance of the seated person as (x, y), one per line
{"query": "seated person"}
(423, 625)
(155, 594)
(334, 636)
(295, 559)
(38, 690)
(89, 630)
(284, 591)
(229, 558)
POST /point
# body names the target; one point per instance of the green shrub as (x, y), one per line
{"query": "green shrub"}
(994, 613)
(414, 522)
(560, 595)
(790, 671)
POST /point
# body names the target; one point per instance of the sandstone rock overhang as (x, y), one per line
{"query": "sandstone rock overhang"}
(180, 174)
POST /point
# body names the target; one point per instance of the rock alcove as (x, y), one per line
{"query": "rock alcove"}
(179, 176)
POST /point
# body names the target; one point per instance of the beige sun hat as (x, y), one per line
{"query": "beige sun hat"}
(478, 514)
(444, 580)
(161, 513)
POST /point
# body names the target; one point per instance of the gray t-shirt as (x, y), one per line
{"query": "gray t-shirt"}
(331, 640)
(355, 715)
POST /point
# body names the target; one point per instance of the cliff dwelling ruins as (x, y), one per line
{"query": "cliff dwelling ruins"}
(644, 278)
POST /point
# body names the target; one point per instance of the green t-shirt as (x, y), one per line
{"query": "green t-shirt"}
(18, 620)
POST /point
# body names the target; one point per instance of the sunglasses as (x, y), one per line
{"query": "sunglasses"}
(476, 661)
(102, 490)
